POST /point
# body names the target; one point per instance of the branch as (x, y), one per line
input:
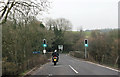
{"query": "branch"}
(32, 4)
(4, 20)
(1, 10)
(19, 11)
(9, 10)
(2, 2)
(5, 8)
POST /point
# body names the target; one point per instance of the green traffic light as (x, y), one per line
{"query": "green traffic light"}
(44, 45)
(86, 45)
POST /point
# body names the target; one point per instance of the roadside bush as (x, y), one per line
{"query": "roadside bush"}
(9, 68)
(77, 54)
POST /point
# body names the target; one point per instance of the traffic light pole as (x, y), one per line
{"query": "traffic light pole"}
(86, 45)
(85, 53)
(44, 50)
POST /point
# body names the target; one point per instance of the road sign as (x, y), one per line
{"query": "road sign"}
(44, 51)
(60, 47)
(35, 52)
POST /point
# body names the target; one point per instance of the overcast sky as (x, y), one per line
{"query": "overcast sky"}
(88, 14)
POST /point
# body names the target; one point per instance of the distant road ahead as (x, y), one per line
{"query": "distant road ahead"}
(71, 66)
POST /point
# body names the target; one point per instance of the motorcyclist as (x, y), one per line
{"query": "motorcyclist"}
(55, 54)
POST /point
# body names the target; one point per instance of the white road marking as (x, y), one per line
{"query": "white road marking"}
(102, 66)
(58, 66)
(30, 70)
(73, 69)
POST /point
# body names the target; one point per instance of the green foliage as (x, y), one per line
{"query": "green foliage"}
(77, 54)
(58, 39)
(103, 46)
(59, 27)
(11, 70)
(19, 43)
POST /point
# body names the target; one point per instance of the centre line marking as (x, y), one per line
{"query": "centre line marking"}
(73, 69)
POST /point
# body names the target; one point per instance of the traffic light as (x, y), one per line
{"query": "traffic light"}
(86, 42)
(44, 43)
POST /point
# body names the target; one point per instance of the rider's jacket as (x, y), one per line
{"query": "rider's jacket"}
(55, 54)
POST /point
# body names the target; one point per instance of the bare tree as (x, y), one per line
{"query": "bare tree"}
(22, 9)
(49, 23)
(63, 24)
(60, 23)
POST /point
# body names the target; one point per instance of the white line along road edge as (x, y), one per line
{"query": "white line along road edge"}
(73, 69)
(102, 66)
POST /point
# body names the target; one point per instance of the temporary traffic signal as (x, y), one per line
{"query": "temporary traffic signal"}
(86, 42)
(44, 43)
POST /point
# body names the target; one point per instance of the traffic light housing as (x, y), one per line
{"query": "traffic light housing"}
(86, 42)
(44, 41)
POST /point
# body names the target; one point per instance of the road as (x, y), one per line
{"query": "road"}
(68, 65)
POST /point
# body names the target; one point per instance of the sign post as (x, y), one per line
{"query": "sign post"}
(86, 45)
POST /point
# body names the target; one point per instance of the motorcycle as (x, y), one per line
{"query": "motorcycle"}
(55, 60)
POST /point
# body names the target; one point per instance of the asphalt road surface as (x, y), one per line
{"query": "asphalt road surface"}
(68, 65)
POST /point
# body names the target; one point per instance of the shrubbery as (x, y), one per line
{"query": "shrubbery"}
(18, 45)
